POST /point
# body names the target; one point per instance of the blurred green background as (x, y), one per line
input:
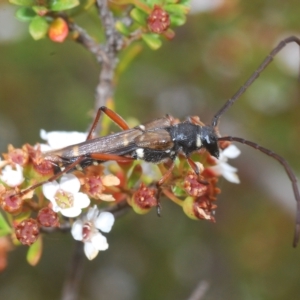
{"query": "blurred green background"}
(248, 253)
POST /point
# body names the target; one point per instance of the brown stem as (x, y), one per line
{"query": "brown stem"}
(114, 42)
(82, 37)
(74, 275)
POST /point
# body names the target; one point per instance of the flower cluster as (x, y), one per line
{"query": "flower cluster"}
(33, 209)
(75, 198)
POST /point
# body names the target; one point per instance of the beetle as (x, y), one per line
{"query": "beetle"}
(164, 139)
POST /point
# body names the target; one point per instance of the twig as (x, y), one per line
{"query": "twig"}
(74, 275)
(87, 41)
(106, 53)
(114, 42)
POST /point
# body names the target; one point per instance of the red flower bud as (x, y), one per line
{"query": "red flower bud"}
(17, 156)
(199, 208)
(159, 20)
(27, 231)
(40, 165)
(193, 187)
(143, 199)
(48, 218)
(58, 30)
(10, 202)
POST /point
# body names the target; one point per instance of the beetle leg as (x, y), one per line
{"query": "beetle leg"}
(107, 157)
(54, 177)
(195, 168)
(112, 115)
(159, 184)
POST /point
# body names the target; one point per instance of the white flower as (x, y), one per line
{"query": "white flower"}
(65, 196)
(223, 168)
(87, 231)
(12, 177)
(61, 139)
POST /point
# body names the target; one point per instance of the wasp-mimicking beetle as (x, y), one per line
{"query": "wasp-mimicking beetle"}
(163, 139)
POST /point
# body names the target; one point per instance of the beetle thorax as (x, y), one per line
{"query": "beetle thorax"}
(186, 137)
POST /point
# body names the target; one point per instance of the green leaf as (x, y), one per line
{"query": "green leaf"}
(58, 5)
(4, 226)
(139, 16)
(34, 252)
(122, 28)
(152, 40)
(176, 9)
(23, 2)
(40, 10)
(177, 20)
(25, 14)
(38, 27)
(153, 2)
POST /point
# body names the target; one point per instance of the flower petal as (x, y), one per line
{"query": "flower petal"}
(81, 200)
(105, 221)
(76, 230)
(61, 139)
(12, 177)
(44, 147)
(99, 241)
(106, 197)
(71, 212)
(217, 170)
(90, 251)
(70, 183)
(110, 180)
(92, 213)
(231, 177)
(231, 151)
(55, 207)
(50, 189)
(227, 167)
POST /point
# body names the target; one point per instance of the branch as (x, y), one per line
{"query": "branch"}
(114, 40)
(74, 275)
(87, 41)
(114, 43)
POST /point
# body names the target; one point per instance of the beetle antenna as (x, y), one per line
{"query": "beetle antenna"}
(288, 171)
(242, 90)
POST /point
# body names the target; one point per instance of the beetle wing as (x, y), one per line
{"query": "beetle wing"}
(149, 135)
(157, 139)
(118, 143)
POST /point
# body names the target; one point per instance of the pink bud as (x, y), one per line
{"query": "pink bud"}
(58, 30)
